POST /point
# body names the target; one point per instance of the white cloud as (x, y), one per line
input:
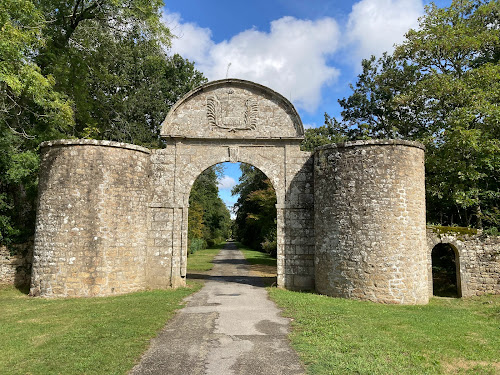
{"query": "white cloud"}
(291, 58)
(376, 25)
(226, 183)
(191, 41)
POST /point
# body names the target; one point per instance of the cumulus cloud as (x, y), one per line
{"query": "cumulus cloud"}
(376, 25)
(191, 41)
(226, 183)
(291, 58)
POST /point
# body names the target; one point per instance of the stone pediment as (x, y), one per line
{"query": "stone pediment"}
(233, 108)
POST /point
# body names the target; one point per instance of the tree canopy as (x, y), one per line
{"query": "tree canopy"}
(209, 219)
(441, 87)
(79, 69)
(255, 223)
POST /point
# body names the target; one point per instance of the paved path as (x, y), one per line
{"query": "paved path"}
(229, 327)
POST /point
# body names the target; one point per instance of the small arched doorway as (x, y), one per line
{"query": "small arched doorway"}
(445, 271)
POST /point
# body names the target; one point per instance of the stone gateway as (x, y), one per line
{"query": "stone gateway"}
(112, 217)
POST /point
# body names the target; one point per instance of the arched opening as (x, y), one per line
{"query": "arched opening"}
(445, 271)
(235, 204)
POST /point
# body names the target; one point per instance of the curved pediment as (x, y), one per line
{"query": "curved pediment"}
(233, 108)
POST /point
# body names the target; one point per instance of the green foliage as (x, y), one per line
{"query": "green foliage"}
(196, 244)
(31, 111)
(209, 221)
(255, 221)
(78, 68)
(104, 335)
(332, 131)
(441, 87)
(340, 336)
(70, 16)
(456, 49)
(109, 58)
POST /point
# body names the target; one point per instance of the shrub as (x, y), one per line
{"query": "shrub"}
(196, 244)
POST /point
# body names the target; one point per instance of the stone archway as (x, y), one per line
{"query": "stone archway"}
(239, 121)
(112, 217)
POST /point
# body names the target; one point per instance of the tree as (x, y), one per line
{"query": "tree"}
(256, 210)
(457, 51)
(370, 112)
(109, 58)
(441, 87)
(78, 68)
(31, 111)
(332, 131)
(209, 219)
(69, 17)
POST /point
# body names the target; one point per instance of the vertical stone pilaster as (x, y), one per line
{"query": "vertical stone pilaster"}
(177, 279)
(280, 241)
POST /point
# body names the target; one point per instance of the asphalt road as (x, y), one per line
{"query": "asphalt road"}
(229, 327)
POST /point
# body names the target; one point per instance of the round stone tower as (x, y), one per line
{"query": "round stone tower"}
(91, 221)
(370, 221)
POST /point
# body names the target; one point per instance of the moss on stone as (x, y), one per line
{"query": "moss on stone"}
(460, 231)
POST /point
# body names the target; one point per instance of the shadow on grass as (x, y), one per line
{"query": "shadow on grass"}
(257, 281)
(23, 288)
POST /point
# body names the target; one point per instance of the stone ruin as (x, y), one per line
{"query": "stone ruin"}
(112, 217)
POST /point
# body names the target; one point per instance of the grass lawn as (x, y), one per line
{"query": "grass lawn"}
(256, 257)
(447, 336)
(105, 335)
(202, 259)
(261, 264)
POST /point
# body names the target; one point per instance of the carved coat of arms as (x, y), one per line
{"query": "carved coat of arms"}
(232, 113)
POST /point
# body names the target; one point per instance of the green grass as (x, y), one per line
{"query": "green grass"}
(105, 335)
(447, 336)
(256, 257)
(202, 259)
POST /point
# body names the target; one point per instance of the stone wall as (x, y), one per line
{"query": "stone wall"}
(112, 217)
(90, 235)
(370, 221)
(298, 222)
(15, 269)
(478, 259)
(176, 168)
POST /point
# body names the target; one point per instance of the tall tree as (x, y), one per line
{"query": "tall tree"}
(109, 58)
(209, 219)
(256, 210)
(79, 68)
(457, 51)
(31, 111)
(441, 86)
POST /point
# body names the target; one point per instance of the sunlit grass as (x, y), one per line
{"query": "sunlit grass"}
(202, 259)
(104, 335)
(256, 257)
(447, 336)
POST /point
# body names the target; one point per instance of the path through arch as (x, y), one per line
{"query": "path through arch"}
(229, 327)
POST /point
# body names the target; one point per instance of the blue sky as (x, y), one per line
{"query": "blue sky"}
(307, 50)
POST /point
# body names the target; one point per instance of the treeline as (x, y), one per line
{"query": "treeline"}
(78, 69)
(441, 87)
(255, 223)
(209, 221)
